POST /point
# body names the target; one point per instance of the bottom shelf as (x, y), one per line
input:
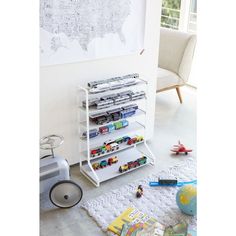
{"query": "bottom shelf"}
(112, 171)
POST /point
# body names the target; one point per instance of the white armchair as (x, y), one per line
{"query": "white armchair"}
(175, 59)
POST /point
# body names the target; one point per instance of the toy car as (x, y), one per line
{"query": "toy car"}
(133, 164)
(126, 138)
(132, 141)
(96, 166)
(119, 140)
(180, 148)
(95, 152)
(108, 148)
(55, 175)
(142, 160)
(139, 138)
(123, 168)
(112, 160)
(103, 163)
(114, 146)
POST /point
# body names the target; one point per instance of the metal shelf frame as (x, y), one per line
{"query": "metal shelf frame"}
(87, 169)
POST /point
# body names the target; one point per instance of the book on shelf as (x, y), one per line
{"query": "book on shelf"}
(133, 222)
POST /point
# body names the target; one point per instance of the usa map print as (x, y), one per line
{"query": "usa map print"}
(80, 30)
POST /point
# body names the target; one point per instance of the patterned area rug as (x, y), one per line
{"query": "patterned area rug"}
(158, 202)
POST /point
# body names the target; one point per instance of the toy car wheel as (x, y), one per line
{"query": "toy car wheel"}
(65, 194)
(177, 153)
(186, 153)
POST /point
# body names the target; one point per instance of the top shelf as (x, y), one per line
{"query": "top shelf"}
(140, 82)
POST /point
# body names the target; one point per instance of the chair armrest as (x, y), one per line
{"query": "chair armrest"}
(186, 63)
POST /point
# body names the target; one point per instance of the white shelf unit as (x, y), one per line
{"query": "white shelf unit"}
(125, 153)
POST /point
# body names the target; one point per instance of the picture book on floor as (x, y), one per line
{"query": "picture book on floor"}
(133, 222)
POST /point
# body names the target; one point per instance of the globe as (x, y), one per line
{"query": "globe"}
(186, 199)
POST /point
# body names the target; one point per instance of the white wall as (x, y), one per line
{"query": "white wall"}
(58, 85)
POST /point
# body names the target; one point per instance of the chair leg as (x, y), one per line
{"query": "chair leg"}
(179, 94)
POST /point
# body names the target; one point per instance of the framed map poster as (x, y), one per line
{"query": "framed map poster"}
(79, 30)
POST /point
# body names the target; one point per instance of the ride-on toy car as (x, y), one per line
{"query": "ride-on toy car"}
(55, 175)
(180, 148)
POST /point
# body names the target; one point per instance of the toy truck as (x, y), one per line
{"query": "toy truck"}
(104, 130)
(121, 124)
(127, 113)
(92, 133)
(118, 125)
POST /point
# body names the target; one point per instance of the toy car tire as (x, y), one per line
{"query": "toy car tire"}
(57, 200)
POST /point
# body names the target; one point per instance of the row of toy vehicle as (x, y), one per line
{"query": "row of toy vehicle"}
(133, 164)
(105, 163)
(113, 145)
(106, 129)
(114, 114)
(114, 99)
(113, 83)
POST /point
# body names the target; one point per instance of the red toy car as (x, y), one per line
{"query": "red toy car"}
(132, 141)
(180, 148)
(112, 160)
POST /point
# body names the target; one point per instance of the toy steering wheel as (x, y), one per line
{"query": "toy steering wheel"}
(51, 141)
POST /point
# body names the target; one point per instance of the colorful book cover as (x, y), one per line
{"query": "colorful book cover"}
(132, 216)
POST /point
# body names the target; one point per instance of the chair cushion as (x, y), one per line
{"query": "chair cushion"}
(166, 79)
